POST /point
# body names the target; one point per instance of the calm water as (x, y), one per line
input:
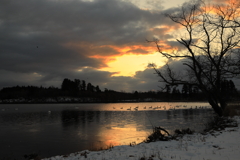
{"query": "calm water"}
(57, 129)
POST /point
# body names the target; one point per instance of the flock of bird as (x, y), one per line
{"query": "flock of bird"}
(161, 108)
(137, 108)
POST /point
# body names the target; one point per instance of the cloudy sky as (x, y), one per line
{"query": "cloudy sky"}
(100, 41)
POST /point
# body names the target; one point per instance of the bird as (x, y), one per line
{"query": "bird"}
(129, 108)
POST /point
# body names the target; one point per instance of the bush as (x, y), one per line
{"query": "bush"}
(219, 123)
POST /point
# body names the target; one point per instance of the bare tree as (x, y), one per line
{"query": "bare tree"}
(211, 36)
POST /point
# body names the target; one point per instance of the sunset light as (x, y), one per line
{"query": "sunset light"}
(90, 37)
(127, 65)
(120, 79)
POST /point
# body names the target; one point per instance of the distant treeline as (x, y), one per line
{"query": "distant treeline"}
(79, 91)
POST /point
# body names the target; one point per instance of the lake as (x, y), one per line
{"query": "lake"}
(59, 129)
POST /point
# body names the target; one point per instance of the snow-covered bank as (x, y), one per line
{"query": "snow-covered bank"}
(217, 145)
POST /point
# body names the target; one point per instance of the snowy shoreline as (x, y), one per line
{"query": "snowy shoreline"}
(215, 145)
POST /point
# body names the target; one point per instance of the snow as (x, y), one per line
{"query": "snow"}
(215, 145)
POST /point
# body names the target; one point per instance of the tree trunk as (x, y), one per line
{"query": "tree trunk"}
(215, 106)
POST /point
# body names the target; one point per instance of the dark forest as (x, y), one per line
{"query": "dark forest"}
(79, 91)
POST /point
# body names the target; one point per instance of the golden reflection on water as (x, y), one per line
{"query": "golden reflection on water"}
(125, 123)
(120, 136)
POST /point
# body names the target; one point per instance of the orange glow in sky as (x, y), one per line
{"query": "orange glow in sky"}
(127, 65)
(125, 60)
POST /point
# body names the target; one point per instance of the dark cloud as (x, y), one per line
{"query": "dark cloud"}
(142, 81)
(44, 41)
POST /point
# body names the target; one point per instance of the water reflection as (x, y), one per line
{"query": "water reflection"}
(118, 128)
(67, 129)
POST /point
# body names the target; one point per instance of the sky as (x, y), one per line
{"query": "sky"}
(100, 41)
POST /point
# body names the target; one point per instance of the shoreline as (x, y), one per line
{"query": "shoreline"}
(214, 144)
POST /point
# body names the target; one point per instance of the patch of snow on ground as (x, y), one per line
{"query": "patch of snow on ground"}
(218, 145)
